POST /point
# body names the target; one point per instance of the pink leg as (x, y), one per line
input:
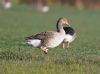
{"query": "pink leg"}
(45, 50)
(63, 45)
(68, 45)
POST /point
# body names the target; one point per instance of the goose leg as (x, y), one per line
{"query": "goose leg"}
(68, 44)
(45, 50)
(63, 45)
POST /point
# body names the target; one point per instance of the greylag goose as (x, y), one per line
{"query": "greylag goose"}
(49, 39)
(69, 37)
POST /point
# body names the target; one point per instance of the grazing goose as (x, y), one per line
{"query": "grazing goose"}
(50, 39)
(69, 37)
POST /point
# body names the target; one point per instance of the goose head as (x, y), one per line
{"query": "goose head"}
(61, 23)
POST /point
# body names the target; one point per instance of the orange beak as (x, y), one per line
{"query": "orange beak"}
(66, 23)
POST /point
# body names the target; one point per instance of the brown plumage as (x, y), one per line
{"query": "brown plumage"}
(41, 36)
(50, 39)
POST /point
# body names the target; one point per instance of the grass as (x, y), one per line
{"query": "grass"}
(83, 57)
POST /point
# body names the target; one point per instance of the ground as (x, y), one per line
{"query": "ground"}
(83, 56)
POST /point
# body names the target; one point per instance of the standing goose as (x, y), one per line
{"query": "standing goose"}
(70, 36)
(50, 39)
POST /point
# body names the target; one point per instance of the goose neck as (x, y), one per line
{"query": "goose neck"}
(60, 28)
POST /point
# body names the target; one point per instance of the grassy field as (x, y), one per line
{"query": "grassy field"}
(83, 56)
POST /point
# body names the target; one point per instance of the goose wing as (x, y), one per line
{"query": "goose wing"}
(42, 35)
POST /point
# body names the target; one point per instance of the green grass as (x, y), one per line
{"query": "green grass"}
(83, 56)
